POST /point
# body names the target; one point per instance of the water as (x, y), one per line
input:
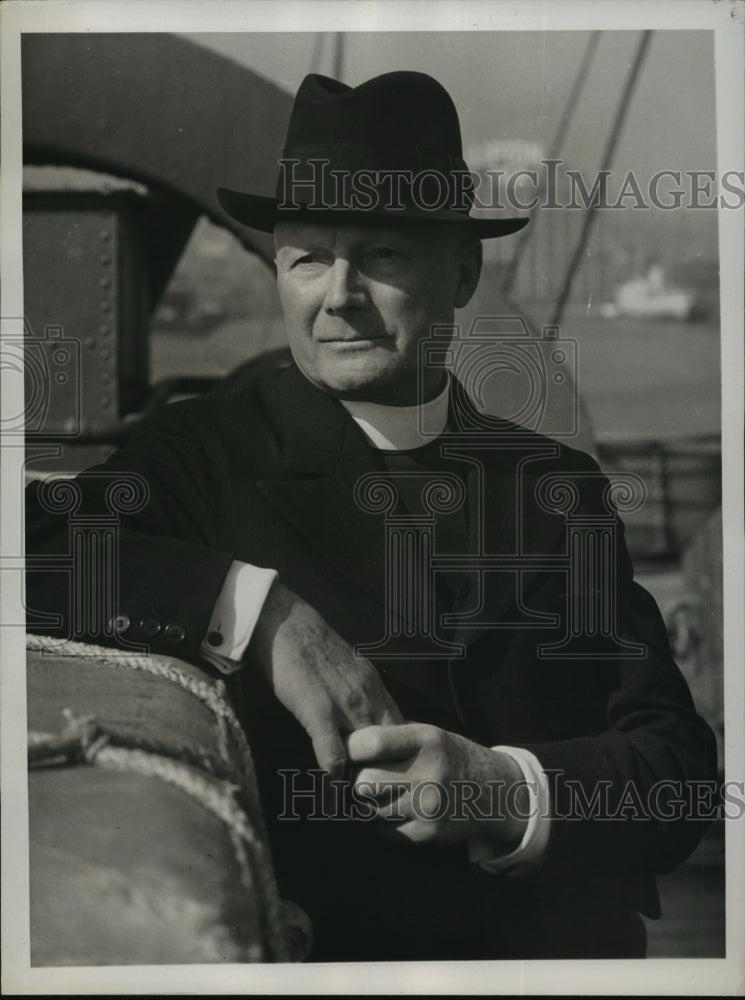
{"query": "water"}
(639, 380)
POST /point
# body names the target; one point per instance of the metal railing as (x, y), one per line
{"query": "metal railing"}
(684, 485)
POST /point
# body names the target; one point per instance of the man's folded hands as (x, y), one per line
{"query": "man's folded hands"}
(432, 786)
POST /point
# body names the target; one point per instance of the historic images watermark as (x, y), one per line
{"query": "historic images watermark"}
(315, 186)
(502, 461)
(92, 559)
(315, 795)
(48, 368)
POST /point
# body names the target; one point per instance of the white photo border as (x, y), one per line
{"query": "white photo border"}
(601, 977)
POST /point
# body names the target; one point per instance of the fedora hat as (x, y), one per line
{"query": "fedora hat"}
(387, 149)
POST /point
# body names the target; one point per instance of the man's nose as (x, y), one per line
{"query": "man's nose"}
(345, 290)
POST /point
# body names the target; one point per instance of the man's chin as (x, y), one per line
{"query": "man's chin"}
(376, 386)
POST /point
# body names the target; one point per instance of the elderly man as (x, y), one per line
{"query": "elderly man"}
(470, 761)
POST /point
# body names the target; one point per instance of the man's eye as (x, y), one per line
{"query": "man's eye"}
(381, 254)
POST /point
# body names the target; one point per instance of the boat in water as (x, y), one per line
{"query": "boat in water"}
(650, 298)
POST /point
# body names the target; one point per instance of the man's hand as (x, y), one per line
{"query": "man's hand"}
(449, 789)
(317, 677)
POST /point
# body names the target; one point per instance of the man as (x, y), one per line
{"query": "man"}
(268, 547)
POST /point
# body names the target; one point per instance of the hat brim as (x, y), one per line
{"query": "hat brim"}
(262, 213)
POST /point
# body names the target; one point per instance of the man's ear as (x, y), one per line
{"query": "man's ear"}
(469, 271)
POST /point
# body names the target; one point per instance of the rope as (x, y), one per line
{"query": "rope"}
(608, 154)
(71, 746)
(554, 150)
(210, 693)
(217, 798)
(79, 738)
(273, 923)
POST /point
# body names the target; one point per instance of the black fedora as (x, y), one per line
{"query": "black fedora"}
(389, 148)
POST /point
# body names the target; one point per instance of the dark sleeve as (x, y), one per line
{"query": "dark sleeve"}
(636, 795)
(124, 553)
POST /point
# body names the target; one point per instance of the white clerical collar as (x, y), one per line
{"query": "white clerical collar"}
(400, 428)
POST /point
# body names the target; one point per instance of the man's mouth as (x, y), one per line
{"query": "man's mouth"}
(352, 343)
(356, 338)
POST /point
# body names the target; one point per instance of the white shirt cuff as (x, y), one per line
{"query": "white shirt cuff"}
(528, 856)
(234, 617)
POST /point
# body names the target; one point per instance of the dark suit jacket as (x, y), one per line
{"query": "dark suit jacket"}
(266, 474)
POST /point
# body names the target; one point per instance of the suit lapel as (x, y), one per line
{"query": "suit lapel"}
(325, 454)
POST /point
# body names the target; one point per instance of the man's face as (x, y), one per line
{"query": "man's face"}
(358, 299)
